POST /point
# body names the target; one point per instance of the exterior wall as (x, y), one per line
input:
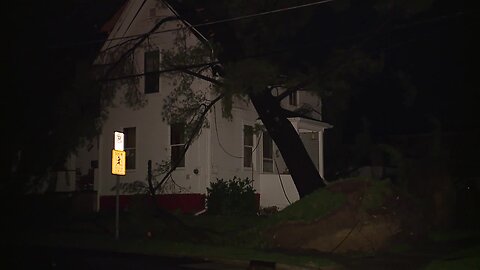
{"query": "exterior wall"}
(66, 181)
(152, 134)
(85, 157)
(272, 193)
(227, 145)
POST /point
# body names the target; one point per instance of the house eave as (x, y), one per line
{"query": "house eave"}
(309, 124)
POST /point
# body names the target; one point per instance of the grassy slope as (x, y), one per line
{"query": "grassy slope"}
(240, 238)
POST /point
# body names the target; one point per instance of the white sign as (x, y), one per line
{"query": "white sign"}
(118, 141)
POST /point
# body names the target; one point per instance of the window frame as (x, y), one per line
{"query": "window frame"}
(264, 157)
(246, 146)
(177, 145)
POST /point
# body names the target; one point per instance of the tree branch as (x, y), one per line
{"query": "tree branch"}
(177, 68)
(140, 41)
(203, 77)
(197, 128)
(290, 90)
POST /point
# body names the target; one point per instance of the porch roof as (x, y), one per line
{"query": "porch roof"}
(308, 125)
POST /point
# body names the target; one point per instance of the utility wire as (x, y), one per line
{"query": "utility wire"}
(281, 183)
(218, 137)
(137, 36)
(210, 23)
(264, 13)
(285, 50)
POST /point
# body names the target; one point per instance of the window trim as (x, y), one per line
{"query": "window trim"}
(244, 146)
(264, 158)
(180, 145)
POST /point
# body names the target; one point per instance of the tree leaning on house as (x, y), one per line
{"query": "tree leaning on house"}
(248, 51)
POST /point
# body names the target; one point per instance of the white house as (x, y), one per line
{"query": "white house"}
(223, 150)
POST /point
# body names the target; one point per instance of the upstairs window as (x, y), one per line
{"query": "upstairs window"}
(152, 71)
(177, 144)
(293, 99)
(267, 153)
(130, 146)
(247, 146)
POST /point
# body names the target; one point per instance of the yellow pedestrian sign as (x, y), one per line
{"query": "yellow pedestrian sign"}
(118, 162)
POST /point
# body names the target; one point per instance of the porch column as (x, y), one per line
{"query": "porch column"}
(320, 154)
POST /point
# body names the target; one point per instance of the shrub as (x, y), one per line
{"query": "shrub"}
(232, 197)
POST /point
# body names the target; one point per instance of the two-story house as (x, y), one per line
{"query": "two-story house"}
(225, 149)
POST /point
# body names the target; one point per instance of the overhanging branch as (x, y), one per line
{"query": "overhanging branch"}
(196, 129)
(140, 41)
(203, 77)
(290, 90)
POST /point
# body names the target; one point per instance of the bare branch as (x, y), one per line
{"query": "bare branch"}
(197, 129)
(138, 43)
(174, 69)
(293, 89)
(203, 77)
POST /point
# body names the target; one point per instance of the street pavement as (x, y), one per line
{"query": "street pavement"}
(78, 259)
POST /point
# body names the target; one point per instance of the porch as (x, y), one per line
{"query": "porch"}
(276, 185)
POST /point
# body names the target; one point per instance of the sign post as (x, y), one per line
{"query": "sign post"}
(119, 157)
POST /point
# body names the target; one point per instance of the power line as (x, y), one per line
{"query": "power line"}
(218, 138)
(281, 183)
(264, 13)
(285, 50)
(208, 23)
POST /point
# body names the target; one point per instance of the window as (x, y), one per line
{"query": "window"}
(130, 147)
(247, 146)
(177, 143)
(267, 153)
(292, 98)
(152, 74)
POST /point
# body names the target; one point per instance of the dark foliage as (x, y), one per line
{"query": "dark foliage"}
(232, 197)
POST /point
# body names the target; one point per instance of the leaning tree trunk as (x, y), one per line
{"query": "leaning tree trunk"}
(304, 173)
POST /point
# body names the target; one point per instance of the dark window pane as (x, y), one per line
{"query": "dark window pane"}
(130, 142)
(248, 135)
(267, 146)
(177, 154)
(268, 165)
(130, 160)
(292, 98)
(152, 83)
(247, 156)
(130, 137)
(152, 68)
(177, 133)
(152, 61)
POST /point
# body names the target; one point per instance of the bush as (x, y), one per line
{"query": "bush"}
(232, 197)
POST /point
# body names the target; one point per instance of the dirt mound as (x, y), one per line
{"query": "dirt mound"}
(368, 220)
